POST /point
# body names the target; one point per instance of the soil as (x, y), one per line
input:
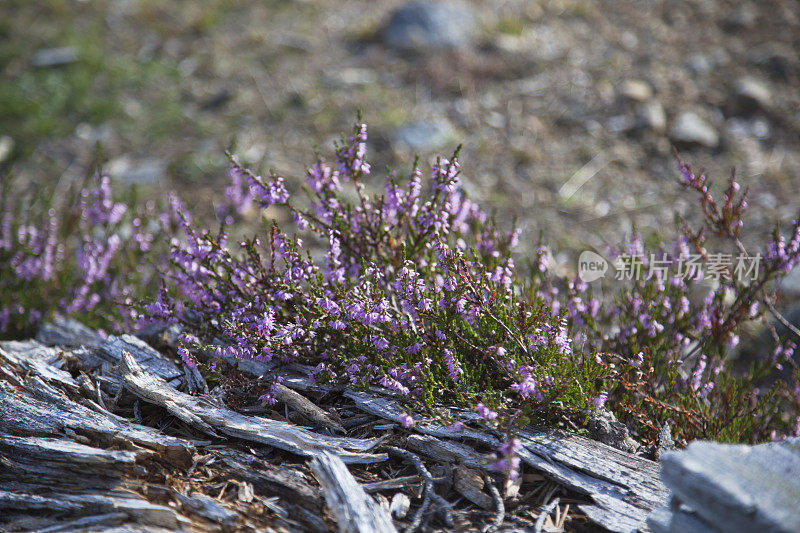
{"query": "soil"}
(556, 102)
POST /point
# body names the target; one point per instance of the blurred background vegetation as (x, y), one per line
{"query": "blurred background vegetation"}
(568, 109)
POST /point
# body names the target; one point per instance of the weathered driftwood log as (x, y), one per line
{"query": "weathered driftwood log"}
(67, 464)
(75, 422)
(213, 419)
(33, 405)
(624, 488)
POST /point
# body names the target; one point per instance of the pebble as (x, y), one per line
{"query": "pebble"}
(54, 57)
(421, 26)
(146, 171)
(424, 136)
(751, 94)
(689, 128)
(636, 90)
(777, 62)
(400, 505)
(6, 146)
(652, 116)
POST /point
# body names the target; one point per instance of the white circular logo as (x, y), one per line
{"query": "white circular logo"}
(591, 266)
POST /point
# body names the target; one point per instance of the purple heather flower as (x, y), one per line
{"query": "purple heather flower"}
(526, 387)
(453, 367)
(406, 420)
(414, 349)
(600, 401)
(187, 357)
(697, 373)
(485, 412)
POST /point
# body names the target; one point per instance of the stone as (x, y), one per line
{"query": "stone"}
(731, 488)
(663, 443)
(699, 64)
(6, 147)
(400, 505)
(690, 128)
(750, 95)
(651, 115)
(146, 171)
(424, 136)
(636, 90)
(743, 18)
(54, 57)
(422, 26)
(604, 427)
(619, 123)
(790, 284)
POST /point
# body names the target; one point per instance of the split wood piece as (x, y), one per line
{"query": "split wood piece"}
(303, 406)
(624, 488)
(392, 484)
(390, 410)
(212, 418)
(77, 479)
(152, 361)
(355, 511)
(470, 484)
(33, 406)
(446, 451)
(135, 508)
(208, 508)
(289, 483)
(284, 489)
(36, 358)
(67, 332)
(102, 361)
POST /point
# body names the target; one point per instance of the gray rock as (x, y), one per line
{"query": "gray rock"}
(689, 128)
(777, 60)
(6, 146)
(664, 442)
(651, 115)
(604, 427)
(421, 26)
(790, 284)
(54, 57)
(424, 136)
(743, 18)
(700, 64)
(636, 90)
(619, 123)
(751, 95)
(732, 488)
(145, 171)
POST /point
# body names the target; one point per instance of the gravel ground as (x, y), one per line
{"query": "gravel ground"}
(567, 110)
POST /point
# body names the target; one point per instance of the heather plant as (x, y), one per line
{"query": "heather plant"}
(669, 352)
(413, 289)
(81, 253)
(406, 284)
